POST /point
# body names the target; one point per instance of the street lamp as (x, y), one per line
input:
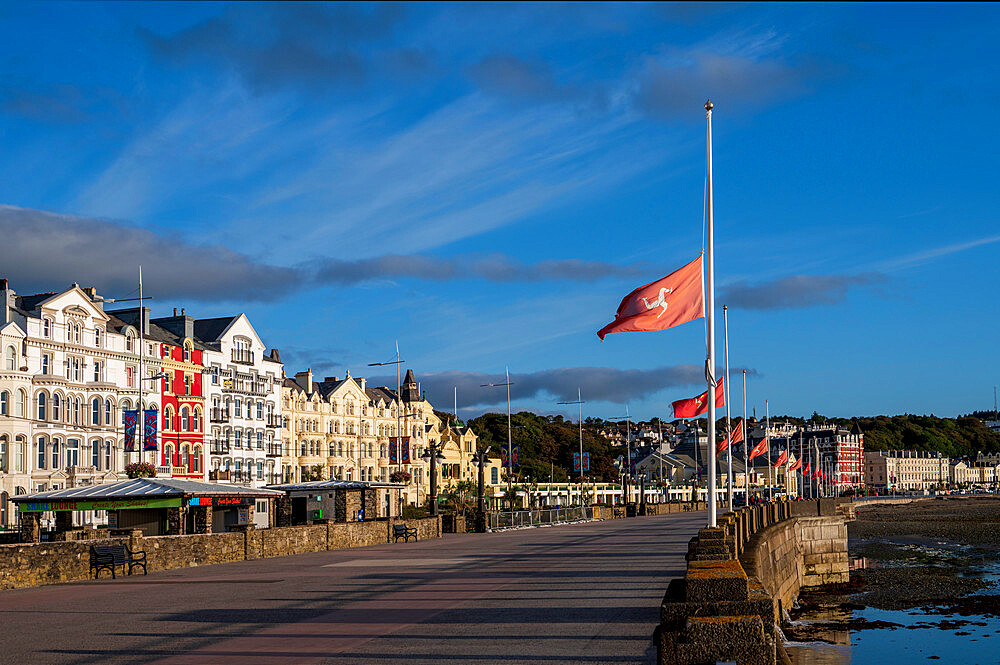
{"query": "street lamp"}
(627, 469)
(399, 406)
(579, 402)
(510, 446)
(433, 454)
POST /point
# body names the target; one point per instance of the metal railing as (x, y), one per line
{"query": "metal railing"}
(220, 447)
(219, 415)
(525, 518)
(243, 357)
(273, 450)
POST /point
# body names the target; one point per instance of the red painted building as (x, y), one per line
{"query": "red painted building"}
(182, 445)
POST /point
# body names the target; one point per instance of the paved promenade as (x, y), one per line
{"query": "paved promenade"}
(586, 593)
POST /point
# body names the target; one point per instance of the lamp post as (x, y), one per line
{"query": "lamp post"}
(434, 455)
(399, 406)
(579, 402)
(510, 446)
(627, 468)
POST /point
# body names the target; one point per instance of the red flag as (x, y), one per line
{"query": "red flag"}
(759, 449)
(797, 464)
(665, 303)
(805, 474)
(696, 406)
(817, 472)
(737, 436)
(782, 458)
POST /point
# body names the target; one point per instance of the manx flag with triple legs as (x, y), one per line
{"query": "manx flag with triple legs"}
(670, 301)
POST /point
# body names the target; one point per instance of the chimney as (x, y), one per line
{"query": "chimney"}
(331, 379)
(362, 382)
(3, 283)
(175, 311)
(305, 380)
(182, 311)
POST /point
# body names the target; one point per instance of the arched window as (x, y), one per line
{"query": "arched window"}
(187, 350)
(95, 453)
(11, 358)
(168, 454)
(196, 461)
(109, 458)
(95, 411)
(56, 408)
(185, 460)
(303, 448)
(196, 419)
(333, 449)
(109, 412)
(185, 419)
(56, 454)
(129, 341)
(340, 449)
(41, 452)
(168, 416)
(4, 403)
(3, 455)
(42, 402)
(20, 450)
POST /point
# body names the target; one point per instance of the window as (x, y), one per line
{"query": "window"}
(249, 409)
(95, 454)
(55, 454)
(46, 363)
(129, 341)
(260, 440)
(187, 351)
(196, 460)
(187, 384)
(237, 438)
(11, 358)
(109, 412)
(260, 470)
(97, 338)
(260, 410)
(129, 377)
(215, 376)
(185, 419)
(3, 454)
(108, 456)
(95, 411)
(41, 452)
(237, 408)
(41, 406)
(97, 371)
(168, 415)
(4, 403)
(196, 420)
(46, 328)
(493, 475)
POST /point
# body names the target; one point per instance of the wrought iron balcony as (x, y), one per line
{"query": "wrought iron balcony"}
(219, 415)
(275, 421)
(243, 357)
(220, 447)
(274, 450)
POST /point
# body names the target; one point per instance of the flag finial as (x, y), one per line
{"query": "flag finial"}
(708, 105)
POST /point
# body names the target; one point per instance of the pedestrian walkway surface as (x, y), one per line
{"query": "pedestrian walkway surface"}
(582, 593)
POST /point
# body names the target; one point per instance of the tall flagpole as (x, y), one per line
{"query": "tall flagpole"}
(140, 444)
(710, 324)
(729, 426)
(767, 432)
(746, 445)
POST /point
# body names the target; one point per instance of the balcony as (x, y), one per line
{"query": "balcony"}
(163, 471)
(273, 450)
(219, 415)
(275, 421)
(243, 357)
(220, 447)
(218, 475)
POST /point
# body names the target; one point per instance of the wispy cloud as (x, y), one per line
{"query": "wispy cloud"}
(926, 256)
(596, 384)
(41, 247)
(794, 291)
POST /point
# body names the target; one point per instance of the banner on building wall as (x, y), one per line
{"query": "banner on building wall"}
(131, 419)
(149, 429)
(405, 450)
(393, 455)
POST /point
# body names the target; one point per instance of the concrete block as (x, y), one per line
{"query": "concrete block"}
(716, 580)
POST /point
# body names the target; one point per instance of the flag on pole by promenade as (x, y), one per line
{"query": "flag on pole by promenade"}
(796, 465)
(805, 472)
(665, 303)
(782, 458)
(737, 436)
(696, 406)
(758, 450)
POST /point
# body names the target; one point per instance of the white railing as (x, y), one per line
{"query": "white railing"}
(525, 518)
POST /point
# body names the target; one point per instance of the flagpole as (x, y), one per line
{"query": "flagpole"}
(710, 323)
(802, 488)
(767, 431)
(142, 414)
(746, 445)
(729, 426)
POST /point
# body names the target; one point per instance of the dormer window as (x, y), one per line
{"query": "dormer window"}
(129, 341)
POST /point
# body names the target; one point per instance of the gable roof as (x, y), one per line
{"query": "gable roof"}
(210, 330)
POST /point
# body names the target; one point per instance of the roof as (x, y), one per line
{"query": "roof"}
(209, 330)
(333, 485)
(29, 303)
(145, 488)
(409, 378)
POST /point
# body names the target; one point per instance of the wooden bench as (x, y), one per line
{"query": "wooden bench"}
(109, 557)
(404, 532)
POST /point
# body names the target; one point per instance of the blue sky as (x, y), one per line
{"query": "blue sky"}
(485, 182)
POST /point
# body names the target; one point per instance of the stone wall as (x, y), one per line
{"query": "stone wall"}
(35, 564)
(743, 573)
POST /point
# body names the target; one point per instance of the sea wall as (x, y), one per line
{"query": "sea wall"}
(743, 573)
(35, 564)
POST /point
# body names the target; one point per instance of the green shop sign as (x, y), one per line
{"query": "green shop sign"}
(107, 504)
